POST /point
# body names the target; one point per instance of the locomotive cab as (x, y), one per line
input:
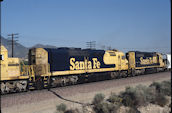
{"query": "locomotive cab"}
(38, 57)
(116, 57)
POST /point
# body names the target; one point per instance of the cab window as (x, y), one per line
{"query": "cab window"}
(1, 57)
(123, 57)
(112, 54)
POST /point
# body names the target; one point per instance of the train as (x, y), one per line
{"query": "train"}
(53, 67)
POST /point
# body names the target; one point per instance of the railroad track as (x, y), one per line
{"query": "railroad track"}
(41, 95)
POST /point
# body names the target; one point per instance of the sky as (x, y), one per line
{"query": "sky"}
(125, 25)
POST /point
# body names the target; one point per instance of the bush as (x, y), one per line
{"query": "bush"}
(114, 99)
(128, 97)
(100, 106)
(133, 110)
(160, 100)
(98, 98)
(166, 88)
(163, 87)
(142, 95)
(61, 108)
(150, 94)
(72, 111)
(135, 97)
(104, 107)
(131, 97)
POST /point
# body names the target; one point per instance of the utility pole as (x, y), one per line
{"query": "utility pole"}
(91, 44)
(13, 42)
(109, 48)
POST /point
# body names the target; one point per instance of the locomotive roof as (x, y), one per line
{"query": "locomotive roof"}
(141, 52)
(74, 51)
(70, 49)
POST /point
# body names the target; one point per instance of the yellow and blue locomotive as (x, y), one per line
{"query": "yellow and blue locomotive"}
(143, 62)
(51, 67)
(70, 65)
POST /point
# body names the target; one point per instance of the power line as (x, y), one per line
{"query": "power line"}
(91, 44)
(12, 40)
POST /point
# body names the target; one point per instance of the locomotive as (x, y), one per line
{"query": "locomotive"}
(52, 67)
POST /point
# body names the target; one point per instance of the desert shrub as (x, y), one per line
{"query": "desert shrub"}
(141, 95)
(87, 109)
(61, 108)
(104, 107)
(161, 100)
(135, 97)
(98, 98)
(157, 86)
(115, 99)
(150, 94)
(166, 88)
(133, 110)
(72, 111)
(163, 87)
(128, 96)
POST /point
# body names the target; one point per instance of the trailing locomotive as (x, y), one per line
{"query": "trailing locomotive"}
(141, 62)
(49, 67)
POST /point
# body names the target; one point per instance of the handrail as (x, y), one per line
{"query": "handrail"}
(27, 70)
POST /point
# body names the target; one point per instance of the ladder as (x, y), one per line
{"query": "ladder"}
(45, 82)
(46, 79)
(28, 70)
(31, 83)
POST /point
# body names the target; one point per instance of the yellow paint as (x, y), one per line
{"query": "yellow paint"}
(117, 58)
(162, 64)
(131, 56)
(39, 59)
(9, 67)
(4, 63)
(13, 67)
(81, 71)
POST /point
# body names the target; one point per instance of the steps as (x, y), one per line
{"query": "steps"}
(31, 85)
(45, 82)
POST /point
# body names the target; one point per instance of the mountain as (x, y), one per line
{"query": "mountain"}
(19, 50)
(43, 46)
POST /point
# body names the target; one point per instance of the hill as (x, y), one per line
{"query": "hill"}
(43, 46)
(19, 50)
